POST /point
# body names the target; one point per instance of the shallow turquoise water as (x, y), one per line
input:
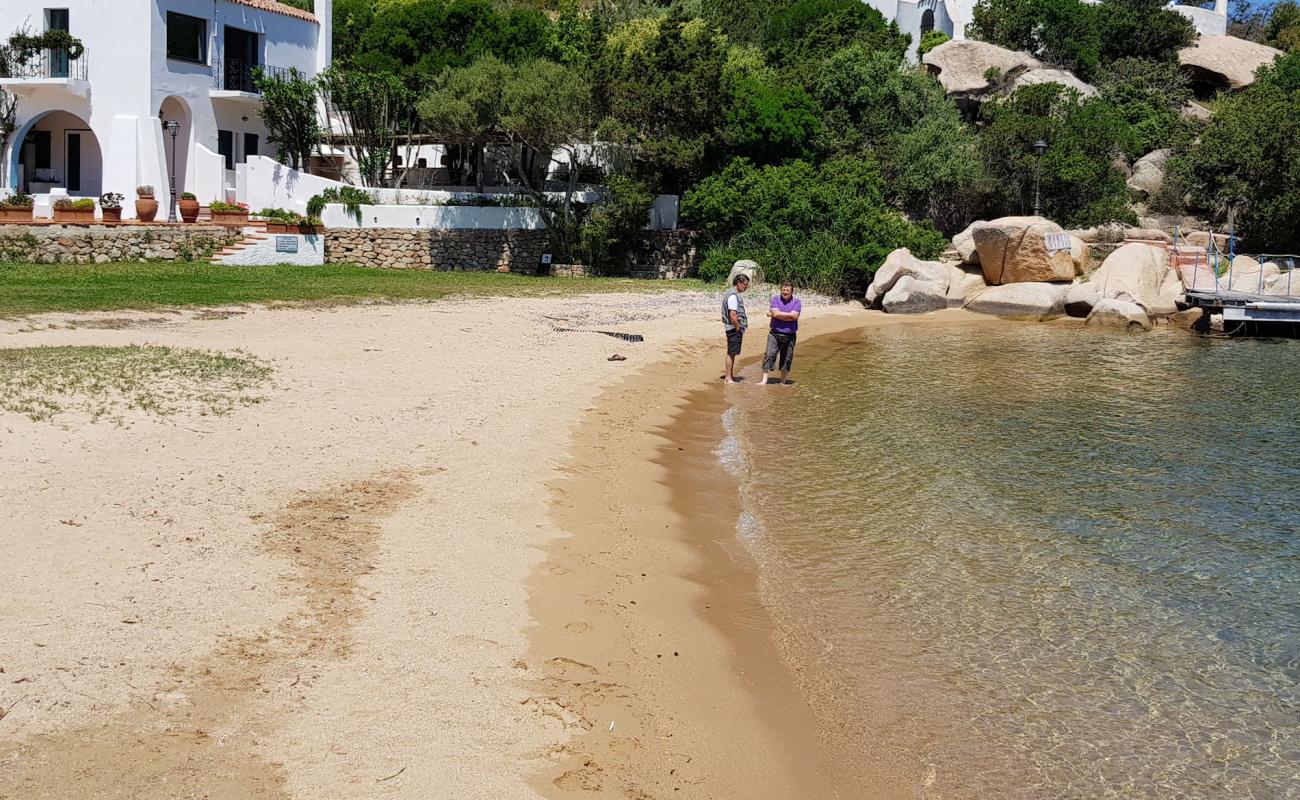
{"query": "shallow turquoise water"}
(1038, 561)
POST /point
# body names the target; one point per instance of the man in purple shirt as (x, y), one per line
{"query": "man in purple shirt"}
(780, 338)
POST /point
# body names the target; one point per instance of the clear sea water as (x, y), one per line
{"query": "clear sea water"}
(1035, 561)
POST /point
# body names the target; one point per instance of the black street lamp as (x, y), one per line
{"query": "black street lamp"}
(1040, 147)
(173, 127)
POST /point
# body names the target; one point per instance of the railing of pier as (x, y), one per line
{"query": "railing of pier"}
(1209, 269)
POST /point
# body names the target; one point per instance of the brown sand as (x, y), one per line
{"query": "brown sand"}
(326, 595)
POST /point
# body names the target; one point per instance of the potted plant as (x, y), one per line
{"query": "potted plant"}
(189, 207)
(68, 210)
(146, 206)
(231, 214)
(16, 208)
(279, 220)
(110, 205)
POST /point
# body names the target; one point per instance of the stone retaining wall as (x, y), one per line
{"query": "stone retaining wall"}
(664, 254)
(96, 244)
(447, 250)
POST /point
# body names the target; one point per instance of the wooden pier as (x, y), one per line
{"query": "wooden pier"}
(1247, 314)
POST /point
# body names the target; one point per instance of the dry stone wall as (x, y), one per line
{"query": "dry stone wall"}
(97, 244)
(445, 250)
(663, 254)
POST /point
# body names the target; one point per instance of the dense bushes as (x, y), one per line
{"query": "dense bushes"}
(825, 227)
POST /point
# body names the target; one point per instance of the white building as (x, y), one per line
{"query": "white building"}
(97, 123)
(917, 17)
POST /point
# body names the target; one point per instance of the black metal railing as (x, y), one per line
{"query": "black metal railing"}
(52, 63)
(238, 75)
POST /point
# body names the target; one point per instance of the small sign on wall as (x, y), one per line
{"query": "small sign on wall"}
(286, 244)
(546, 258)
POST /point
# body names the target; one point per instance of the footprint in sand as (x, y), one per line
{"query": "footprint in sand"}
(577, 627)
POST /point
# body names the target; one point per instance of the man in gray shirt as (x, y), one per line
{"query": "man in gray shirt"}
(734, 323)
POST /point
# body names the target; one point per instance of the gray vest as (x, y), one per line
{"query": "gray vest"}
(740, 310)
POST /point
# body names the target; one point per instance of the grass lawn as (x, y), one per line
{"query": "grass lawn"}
(36, 288)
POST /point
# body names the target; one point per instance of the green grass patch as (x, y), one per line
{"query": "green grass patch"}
(38, 288)
(103, 382)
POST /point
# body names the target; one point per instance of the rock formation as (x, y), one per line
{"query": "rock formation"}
(1028, 301)
(1225, 62)
(1015, 250)
(1111, 313)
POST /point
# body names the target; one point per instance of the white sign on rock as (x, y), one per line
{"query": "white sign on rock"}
(1057, 242)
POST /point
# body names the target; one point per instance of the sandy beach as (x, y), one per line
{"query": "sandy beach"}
(386, 579)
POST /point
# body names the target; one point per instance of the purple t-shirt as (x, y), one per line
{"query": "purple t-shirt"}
(785, 325)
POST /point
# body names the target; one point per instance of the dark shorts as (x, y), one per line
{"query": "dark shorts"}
(733, 342)
(779, 344)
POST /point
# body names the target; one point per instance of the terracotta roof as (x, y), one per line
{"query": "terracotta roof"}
(278, 8)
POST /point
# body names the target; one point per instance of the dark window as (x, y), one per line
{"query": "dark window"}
(187, 38)
(41, 140)
(250, 145)
(226, 147)
(927, 22)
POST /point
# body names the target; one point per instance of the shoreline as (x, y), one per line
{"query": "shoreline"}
(653, 564)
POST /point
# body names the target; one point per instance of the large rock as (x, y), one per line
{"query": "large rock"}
(1225, 61)
(899, 263)
(1033, 77)
(912, 296)
(1079, 255)
(962, 66)
(1285, 283)
(963, 285)
(1030, 301)
(964, 244)
(1110, 313)
(1014, 250)
(1196, 112)
(1149, 173)
(1080, 298)
(1248, 275)
(1141, 272)
(746, 267)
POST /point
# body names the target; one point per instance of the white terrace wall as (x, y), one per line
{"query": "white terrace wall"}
(436, 217)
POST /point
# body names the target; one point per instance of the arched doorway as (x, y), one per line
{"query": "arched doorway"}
(177, 152)
(927, 21)
(57, 149)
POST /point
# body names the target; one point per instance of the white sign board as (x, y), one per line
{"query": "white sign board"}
(546, 258)
(1057, 242)
(286, 244)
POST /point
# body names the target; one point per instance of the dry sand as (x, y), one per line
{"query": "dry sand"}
(327, 594)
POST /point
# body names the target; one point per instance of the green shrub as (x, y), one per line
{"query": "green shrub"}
(223, 207)
(611, 230)
(68, 204)
(826, 227)
(351, 197)
(188, 196)
(931, 40)
(18, 200)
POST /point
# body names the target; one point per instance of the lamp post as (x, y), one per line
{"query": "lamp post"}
(173, 127)
(1040, 147)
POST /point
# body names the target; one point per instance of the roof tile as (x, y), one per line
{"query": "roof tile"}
(278, 8)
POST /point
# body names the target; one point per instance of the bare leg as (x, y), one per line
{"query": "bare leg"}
(785, 374)
(764, 381)
(730, 369)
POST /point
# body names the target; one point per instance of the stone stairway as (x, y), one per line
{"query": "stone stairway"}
(253, 233)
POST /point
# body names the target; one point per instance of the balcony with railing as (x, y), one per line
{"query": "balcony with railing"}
(235, 77)
(47, 68)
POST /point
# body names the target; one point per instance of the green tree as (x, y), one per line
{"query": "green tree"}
(826, 227)
(374, 110)
(802, 35)
(611, 232)
(549, 108)
(768, 122)
(1149, 95)
(290, 113)
(1248, 160)
(659, 81)
(1283, 30)
(1080, 184)
(1061, 32)
(1142, 29)
(931, 40)
(465, 104)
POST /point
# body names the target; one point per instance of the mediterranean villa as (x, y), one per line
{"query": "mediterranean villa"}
(97, 121)
(165, 88)
(918, 17)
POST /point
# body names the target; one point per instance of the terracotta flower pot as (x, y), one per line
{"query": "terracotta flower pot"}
(146, 209)
(234, 219)
(189, 210)
(15, 214)
(80, 216)
(112, 214)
